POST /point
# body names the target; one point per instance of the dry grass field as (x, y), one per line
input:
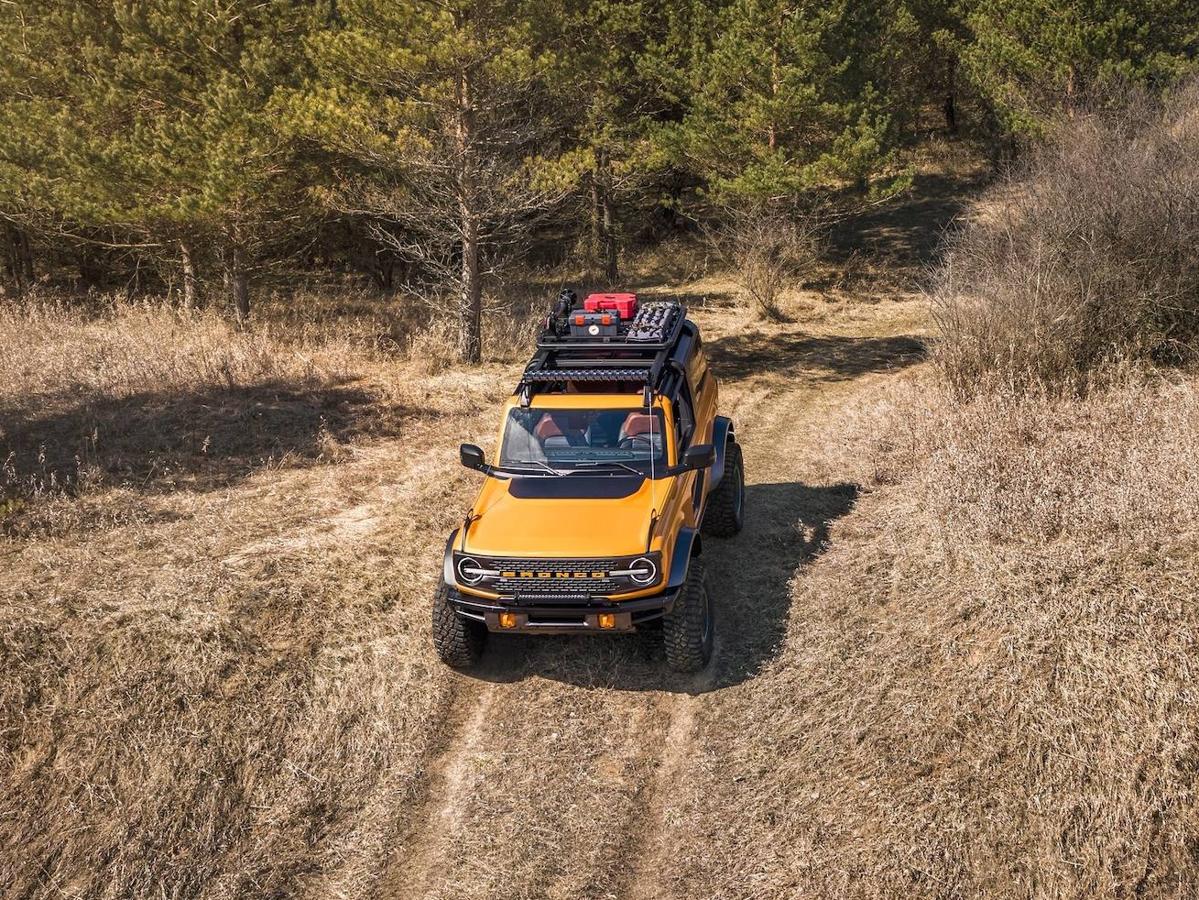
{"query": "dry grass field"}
(955, 638)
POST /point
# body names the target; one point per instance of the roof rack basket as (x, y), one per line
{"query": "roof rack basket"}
(639, 356)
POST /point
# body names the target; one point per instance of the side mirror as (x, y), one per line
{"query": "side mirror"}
(472, 457)
(699, 457)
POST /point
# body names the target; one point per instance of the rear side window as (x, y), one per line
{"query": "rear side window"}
(686, 416)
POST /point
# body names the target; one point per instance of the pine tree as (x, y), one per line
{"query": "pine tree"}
(1032, 59)
(155, 131)
(441, 126)
(44, 49)
(776, 110)
(624, 63)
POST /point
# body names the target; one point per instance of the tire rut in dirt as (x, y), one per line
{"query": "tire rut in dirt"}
(562, 769)
(654, 826)
(419, 851)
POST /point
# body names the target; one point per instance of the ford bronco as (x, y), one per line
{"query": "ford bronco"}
(611, 465)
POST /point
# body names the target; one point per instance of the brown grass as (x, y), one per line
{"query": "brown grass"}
(216, 671)
(986, 684)
(956, 638)
(213, 652)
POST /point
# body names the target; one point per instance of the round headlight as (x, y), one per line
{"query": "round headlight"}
(469, 570)
(648, 573)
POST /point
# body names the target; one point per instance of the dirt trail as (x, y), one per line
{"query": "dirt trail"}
(564, 774)
(649, 846)
(420, 852)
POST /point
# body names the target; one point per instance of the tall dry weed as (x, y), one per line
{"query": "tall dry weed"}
(1086, 253)
(769, 247)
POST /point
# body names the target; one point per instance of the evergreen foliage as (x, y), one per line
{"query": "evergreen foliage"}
(196, 143)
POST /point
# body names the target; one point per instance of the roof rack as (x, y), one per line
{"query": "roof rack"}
(656, 326)
(641, 353)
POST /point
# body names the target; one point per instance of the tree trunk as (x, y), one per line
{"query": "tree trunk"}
(12, 260)
(775, 85)
(239, 285)
(470, 326)
(187, 264)
(18, 259)
(950, 106)
(606, 244)
(611, 267)
(594, 249)
(470, 301)
(25, 256)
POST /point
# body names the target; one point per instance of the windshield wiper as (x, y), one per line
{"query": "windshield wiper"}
(537, 462)
(610, 465)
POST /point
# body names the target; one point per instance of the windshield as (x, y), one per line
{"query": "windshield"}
(583, 439)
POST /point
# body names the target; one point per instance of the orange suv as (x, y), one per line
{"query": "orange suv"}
(611, 464)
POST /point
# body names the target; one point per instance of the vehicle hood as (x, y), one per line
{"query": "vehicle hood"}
(577, 516)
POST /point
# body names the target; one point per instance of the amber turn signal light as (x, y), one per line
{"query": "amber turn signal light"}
(607, 620)
(507, 620)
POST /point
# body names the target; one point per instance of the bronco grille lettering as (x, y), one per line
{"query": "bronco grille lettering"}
(566, 576)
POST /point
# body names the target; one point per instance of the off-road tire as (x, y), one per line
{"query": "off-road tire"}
(459, 641)
(688, 629)
(726, 506)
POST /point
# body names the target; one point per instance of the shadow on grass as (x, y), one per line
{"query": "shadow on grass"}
(749, 576)
(907, 231)
(819, 357)
(198, 440)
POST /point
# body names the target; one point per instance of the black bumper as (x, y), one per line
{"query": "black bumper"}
(574, 614)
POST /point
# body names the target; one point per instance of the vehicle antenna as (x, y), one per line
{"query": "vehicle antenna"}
(653, 454)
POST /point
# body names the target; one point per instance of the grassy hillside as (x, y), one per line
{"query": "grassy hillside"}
(986, 684)
(955, 637)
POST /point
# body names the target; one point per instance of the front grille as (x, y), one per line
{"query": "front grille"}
(563, 577)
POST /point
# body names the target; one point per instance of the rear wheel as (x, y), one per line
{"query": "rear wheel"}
(726, 506)
(688, 629)
(459, 641)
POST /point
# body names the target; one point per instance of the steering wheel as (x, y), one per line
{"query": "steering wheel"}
(630, 442)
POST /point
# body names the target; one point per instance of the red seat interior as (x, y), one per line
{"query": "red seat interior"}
(638, 423)
(547, 428)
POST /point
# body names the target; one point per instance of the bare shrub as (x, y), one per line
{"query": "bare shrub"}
(770, 247)
(1087, 253)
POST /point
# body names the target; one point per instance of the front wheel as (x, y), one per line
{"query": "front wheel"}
(688, 629)
(459, 641)
(726, 506)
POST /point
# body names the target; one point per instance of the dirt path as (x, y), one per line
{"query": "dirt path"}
(565, 772)
(420, 853)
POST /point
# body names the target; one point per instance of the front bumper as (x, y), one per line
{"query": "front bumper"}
(566, 615)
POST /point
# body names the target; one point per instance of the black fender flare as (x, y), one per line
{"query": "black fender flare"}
(722, 434)
(447, 571)
(687, 545)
